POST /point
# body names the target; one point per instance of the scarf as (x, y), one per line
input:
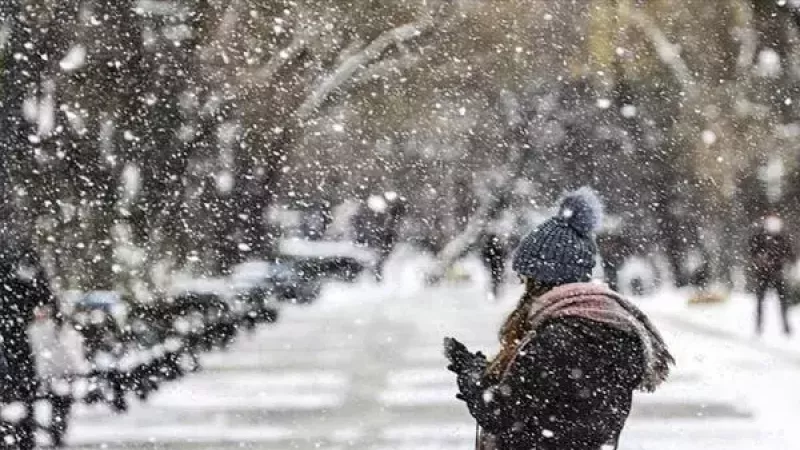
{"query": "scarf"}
(598, 303)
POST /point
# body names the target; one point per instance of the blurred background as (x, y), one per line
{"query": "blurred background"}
(173, 135)
(192, 152)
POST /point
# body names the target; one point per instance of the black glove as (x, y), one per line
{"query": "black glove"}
(461, 359)
(469, 368)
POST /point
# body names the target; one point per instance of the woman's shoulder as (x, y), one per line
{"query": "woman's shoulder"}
(573, 331)
(567, 341)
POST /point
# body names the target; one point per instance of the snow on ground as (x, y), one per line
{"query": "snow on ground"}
(733, 317)
(363, 369)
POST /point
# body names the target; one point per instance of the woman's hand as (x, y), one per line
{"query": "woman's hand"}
(461, 359)
(470, 370)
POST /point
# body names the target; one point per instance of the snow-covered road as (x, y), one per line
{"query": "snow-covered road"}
(362, 369)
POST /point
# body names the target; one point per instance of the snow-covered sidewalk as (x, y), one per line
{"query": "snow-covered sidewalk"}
(732, 318)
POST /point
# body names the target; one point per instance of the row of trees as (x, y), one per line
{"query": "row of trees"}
(142, 136)
(147, 132)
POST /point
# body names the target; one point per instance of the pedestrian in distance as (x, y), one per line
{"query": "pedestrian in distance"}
(571, 353)
(615, 248)
(493, 254)
(24, 288)
(771, 252)
(377, 226)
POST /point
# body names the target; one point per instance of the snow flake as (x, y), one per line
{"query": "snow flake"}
(709, 137)
(225, 181)
(377, 203)
(603, 103)
(628, 111)
(150, 99)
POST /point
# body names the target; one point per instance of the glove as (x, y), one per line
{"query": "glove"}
(461, 359)
(469, 368)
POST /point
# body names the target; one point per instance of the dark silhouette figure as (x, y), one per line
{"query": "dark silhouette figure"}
(377, 226)
(614, 250)
(494, 253)
(316, 219)
(771, 250)
(23, 287)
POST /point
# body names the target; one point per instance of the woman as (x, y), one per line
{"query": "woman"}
(572, 352)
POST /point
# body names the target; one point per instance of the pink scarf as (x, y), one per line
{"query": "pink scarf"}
(598, 303)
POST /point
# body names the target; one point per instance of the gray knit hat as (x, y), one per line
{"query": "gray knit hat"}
(562, 249)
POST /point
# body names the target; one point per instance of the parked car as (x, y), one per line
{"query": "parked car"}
(332, 260)
(281, 279)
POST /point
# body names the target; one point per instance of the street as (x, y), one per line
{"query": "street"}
(362, 369)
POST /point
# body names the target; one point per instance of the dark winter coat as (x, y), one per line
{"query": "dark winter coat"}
(571, 383)
(570, 389)
(769, 254)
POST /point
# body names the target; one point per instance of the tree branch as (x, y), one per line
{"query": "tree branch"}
(667, 52)
(358, 61)
(386, 69)
(491, 204)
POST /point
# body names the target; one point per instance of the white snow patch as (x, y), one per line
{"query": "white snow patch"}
(74, 59)
(709, 137)
(225, 181)
(603, 103)
(377, 203)
(420, 376)
(46, 116)
(769, 63)
(103, 434)
(416, 396)
(628, 111)
(304, 248)
(423, 432)
(131, 180)
(13, 412)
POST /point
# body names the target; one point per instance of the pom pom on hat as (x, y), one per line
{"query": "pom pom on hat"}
(582, 210)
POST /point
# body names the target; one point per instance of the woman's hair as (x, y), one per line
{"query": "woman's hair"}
(516, 326)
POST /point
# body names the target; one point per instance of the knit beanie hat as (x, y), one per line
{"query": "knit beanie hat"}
(562, 249)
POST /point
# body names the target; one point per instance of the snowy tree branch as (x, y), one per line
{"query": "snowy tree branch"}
(387, 68)
(668, 52)
(358, 61)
